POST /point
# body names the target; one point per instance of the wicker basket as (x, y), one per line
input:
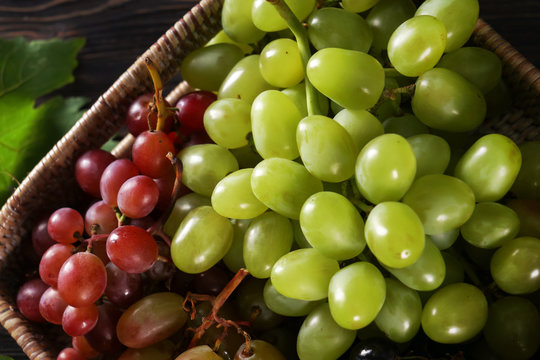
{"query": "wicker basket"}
(51, 183)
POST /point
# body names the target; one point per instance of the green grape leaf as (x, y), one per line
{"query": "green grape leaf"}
(29, 70)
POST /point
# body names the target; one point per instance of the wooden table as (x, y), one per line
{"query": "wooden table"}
(117, 31)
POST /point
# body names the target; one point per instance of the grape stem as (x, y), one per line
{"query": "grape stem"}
(91, 240)
(163, 110)
(302, 40)
(392, 93)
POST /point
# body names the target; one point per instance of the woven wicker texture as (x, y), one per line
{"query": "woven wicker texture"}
(51, 182)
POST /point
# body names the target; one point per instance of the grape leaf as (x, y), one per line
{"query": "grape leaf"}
(29, 70)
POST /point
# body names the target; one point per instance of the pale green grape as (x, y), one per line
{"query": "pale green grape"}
(234, 258)
(442, 202)
(515, 266)
(385, 17)
(458, 16)
(526, 184)
(358, 5)
(394, 234)
(228, 122)
(266, 18)
(204, 166)
(417, 45)
(244, 81)
(281, 63)
(356, 295)
(338, 28)
(432, 154)
(446, 101)
(268, 237)
(512, 328)
(352, 79)
(326, 148)
(446, 239)
(203, 238)
(406, 125)
(274, 132)
(332, 225)
(361, 125)
(283, 305)
(303, 274)
(400, 316)
(490, 166)
(297, 93)
(455, 272)
(320, 338)
(233, 197)
(207, 67)
(283, 185)
(427, 273)
(385, 168)
(490, 225)
(222, 38)
(478, 65)
(182, 207)
(455, 313)
(237, 21)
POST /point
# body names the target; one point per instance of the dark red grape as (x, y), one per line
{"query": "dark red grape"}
(113, 177)
(103, 336)
(65, 225)
(211, 281)
(123, 289)
(191, 108)
(138, 112)
(88, 170)
(138, 196)
(28, 299)
(41, 240)
(165, 185)
(149, 153)
(132, 249)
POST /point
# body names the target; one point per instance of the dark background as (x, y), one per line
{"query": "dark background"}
(117, 31)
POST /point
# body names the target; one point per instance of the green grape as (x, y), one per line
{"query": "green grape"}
(352, 79)
(151, 319)
(326, 148)
(385, 168)
(491, 225)
(283, 338)
(321, 338)
(266, 18)
(442, 202)
(233, 197)
(394, 234)
(203, 238)
(490, 166)
(237, 22)
(206, 67)
(480, 257)
(274, 132)
(526, 184)
(528, 212)
(358, 5)
(446, 239)
(222, 38)
(455, 272)
(297, 93)
(268, 237)
(361, 125)
(246, 156)
(182, 206)
(303, 274)
(283, 305)
(356, 295)
(234, 258)
(417, 45)
(512, 328)
(458, 16)
(163, 350)
(455, 313)
(480, 66)
(259, 350)
(400, 316)
(446, 101)
(299, 237)
(385, 17)
(283, 185)
(201, 352)
(204, 166)
(244, 81)
(406, 125)
(515, 266)
(427, 273)
(281, 63)
(432, 154)
(332, 225)
(228, 122)
(333, 27)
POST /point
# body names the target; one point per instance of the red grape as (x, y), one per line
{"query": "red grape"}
(28, 299)
(113, 177)
(165, 185)
(191, 108)
(41, 240)
(132, 249)
(89, 167)
(138, 196)
(78, 321)
(100, 218)
(103, 336)
(80, 344)
(70, 354)
(150, 151)
(123, 288)
(52, 260)
(52, 306)
(65, 225)
(138, 112)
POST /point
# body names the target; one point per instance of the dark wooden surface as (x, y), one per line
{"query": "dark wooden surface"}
(117, 31)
